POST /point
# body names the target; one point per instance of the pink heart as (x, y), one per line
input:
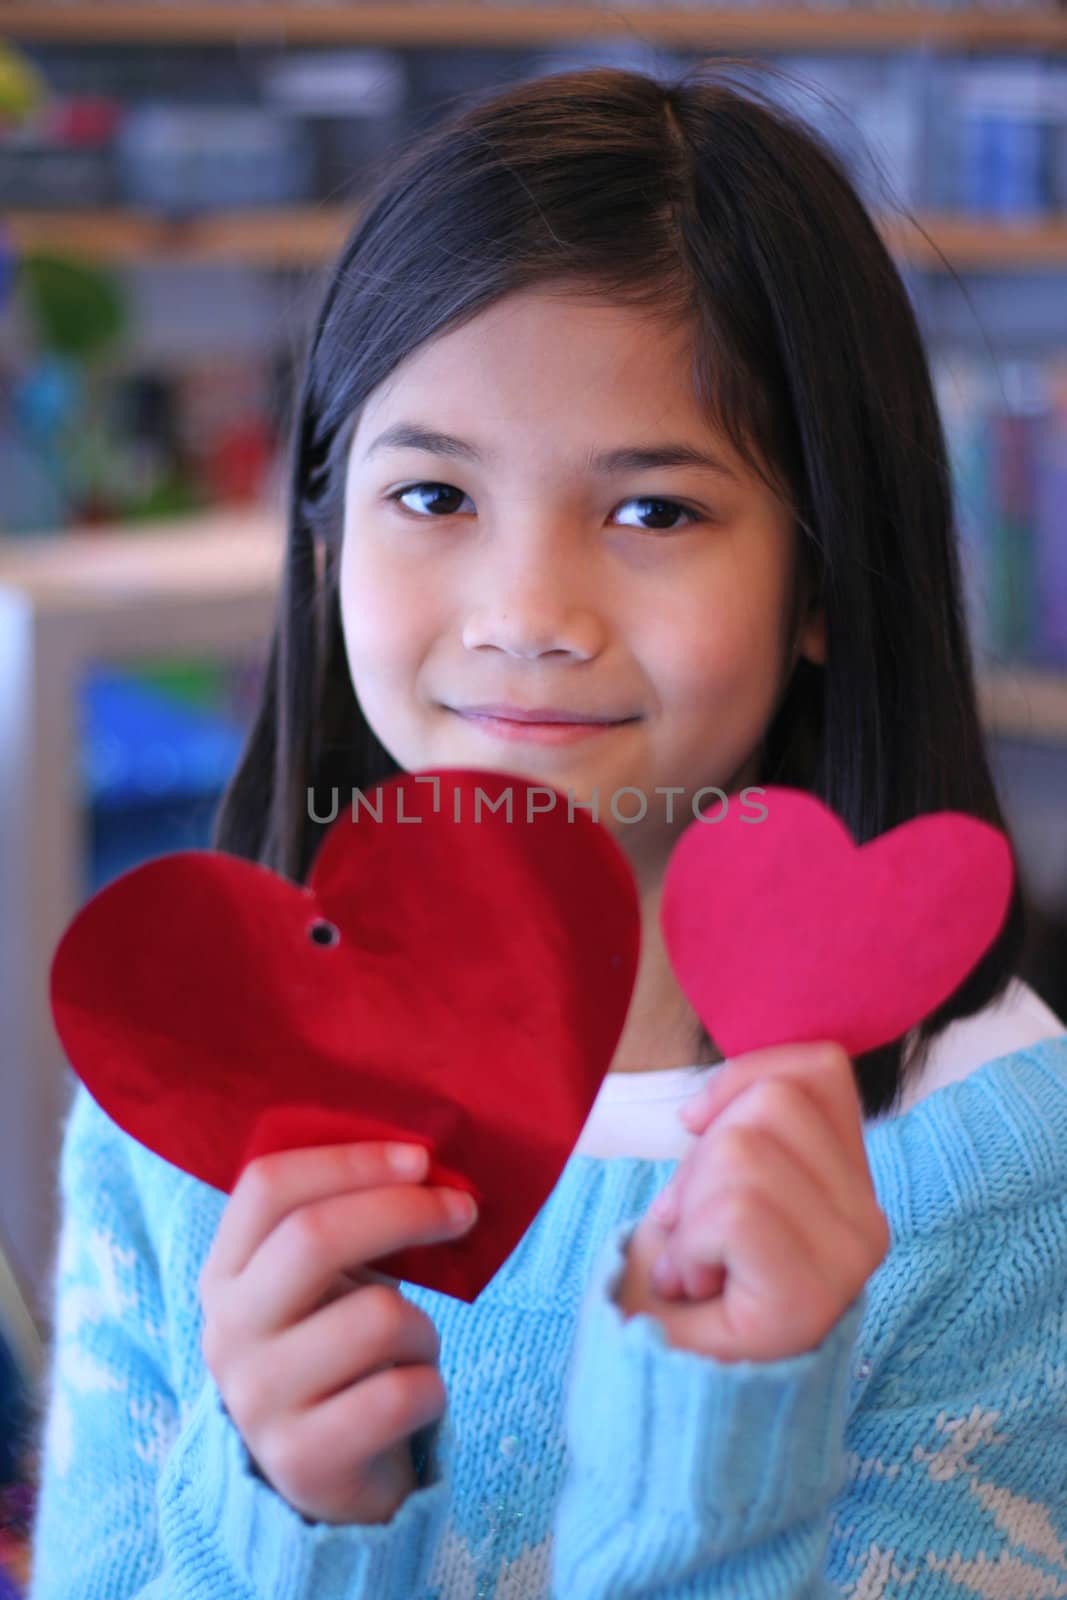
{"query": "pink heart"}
(784, 930)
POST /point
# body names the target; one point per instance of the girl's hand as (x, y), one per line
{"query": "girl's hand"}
(770, 1224)
(325, 1368)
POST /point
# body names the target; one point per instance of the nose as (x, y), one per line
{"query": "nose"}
(533, 607)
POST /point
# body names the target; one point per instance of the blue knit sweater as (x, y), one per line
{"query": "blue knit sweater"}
(920, 1450)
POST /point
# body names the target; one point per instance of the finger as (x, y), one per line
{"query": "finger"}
(700, 1281)
(664, 1208)
(363, 1420)
(275, 1184)
(296, 1264)
(761, 1324)
(767, 1269)
(357, 1278)
(823, 1068)
(736, 1073)
(784, 1110)
(365, 1331)
(754, 1188)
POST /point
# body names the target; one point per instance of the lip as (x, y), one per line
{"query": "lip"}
(566, 728)
(503, 712)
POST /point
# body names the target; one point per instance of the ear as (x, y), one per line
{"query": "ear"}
(811, 639)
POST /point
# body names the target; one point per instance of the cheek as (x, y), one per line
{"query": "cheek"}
(709, 659)
(383, 615)
(716, 674)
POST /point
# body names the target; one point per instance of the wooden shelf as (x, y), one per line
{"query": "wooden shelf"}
(165, 22)
(978, 244)
(309, 236)
(296, 236)
(223, 556)
(1025, 703)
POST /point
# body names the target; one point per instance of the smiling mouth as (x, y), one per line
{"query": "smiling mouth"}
(546, 733)
(505, 712)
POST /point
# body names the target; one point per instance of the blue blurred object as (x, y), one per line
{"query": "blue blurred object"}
(47, 396)
(1006, 138)
(153, 768)
(183, 159)
(14, 1414)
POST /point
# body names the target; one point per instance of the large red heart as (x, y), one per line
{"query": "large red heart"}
(469, 994)
(781, 929)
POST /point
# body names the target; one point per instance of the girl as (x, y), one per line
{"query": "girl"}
(615, 409)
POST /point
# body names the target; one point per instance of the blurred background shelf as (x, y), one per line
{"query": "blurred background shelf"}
(308, 236)
(777, 27)
(292, 236)
(485, 24)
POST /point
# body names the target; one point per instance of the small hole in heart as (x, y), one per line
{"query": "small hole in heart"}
(323, 932)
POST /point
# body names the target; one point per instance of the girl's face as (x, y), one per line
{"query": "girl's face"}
(505, 565)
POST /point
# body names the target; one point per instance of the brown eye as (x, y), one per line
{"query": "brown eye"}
(439, 494)
(665, 511)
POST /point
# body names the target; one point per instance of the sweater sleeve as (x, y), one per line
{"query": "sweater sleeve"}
(712, 1478)
(918, 1453)
(141, 1497)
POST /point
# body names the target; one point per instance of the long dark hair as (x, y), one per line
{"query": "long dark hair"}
(704, 200)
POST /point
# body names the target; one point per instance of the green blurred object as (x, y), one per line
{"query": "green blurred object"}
(172, 496)
(77, 311)
(22, 89)
(198, 683)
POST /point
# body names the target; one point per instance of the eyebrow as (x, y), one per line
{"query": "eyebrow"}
(627, 458)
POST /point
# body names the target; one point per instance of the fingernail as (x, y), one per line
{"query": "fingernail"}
(460, 1206)
(407, 1159)
(662, 1205)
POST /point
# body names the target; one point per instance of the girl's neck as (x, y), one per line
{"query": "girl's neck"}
(661, 1030)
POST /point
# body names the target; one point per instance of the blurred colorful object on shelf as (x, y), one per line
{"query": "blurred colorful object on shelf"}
(22, 92)
(194, 683)
(142, 741)
(76, 309)
(239, 461)
(1006, 430)
(46, 396)
(22, 89)
(159, 742)
(1051, 524)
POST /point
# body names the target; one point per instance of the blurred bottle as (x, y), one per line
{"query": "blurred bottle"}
(1015, 424)
(1051, 521)
(1005, 138)
(962, 401)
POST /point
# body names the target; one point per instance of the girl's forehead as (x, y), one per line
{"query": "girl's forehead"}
(604, 387)
(544, 319)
